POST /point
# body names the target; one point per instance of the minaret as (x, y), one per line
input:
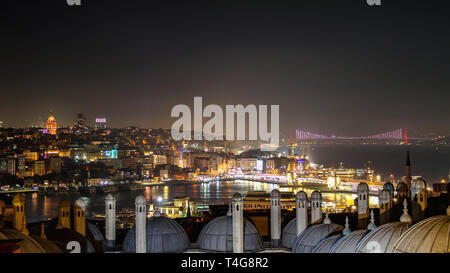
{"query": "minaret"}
(19, 220)
(79, 223)
(371, 225)
(408, 177)
(301, 211)
(275, 218)
(327, 219)
(238, 224)
(347, 229)
(43, 236)
(110, 221)
(141, 224)
(2, 214)
(316, 207)
(64, 215)
(363, 205)
(405, 218)
(385, 200)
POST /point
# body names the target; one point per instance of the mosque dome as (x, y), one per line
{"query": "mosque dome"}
(325, 245)
(310, 237)
(348, 243)
(49, 246)
(217, 236)
(382, 238)
(96, 234)
(163, 235)
(62, 236)
(27, 245)
(289, 234)
(418, 185)
(431, 235)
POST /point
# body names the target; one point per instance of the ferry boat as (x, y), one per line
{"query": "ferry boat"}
(86, 190)
(135, 187)
(73, 190)
(50, 190)
(99, 189)
(41, 190)
(63, 190)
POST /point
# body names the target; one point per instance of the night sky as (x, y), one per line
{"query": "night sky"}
(334, 67)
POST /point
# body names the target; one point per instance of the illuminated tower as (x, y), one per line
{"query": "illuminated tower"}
(275, 217)
(408, 177)
(141, 224)
(110, 221)
(316, 207)
(79, 222)
(301, 211)
(238, 224)
(19, 219)
(51, 125)
(64, 215)
(363, 204)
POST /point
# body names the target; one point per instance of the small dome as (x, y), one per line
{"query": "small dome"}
(80, 203)
(49, 246)
(431, 235)
(217, 236)
(382, 238)
(237, 197)
(27, 245)
(316, 195)
(163, 235)
(109, 197)
(275, 194)
(310, 237)
(140, 200)
(301, 195)
(96, 234)
(289, 234)
(362, 187)
(325, 245)
(418, 185)
(348, 243)
(388, 186)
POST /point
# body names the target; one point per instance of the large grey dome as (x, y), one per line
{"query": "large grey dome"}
(431, 235)
(382, 238)
(163, 235)
(310, 237)
(217, 236)
(348, 243)
(96, 234)
(326, 244)
(289, 234)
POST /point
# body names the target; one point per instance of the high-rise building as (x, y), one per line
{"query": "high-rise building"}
(51, 124)
(39, 167)
(81, 121)
(100, 123)
(12, 166)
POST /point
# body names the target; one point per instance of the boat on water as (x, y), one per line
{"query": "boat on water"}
(63, 190)
(73, 190)
(87, 190)
(41, 190)
(135, 187)
(99, 189)
(50, 190)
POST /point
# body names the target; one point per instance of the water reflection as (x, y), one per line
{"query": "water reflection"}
(40, 207)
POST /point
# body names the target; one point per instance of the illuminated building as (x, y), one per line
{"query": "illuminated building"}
(100, 123)
(39, 167)
(51, 125)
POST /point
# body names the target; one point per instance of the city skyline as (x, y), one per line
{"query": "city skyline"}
(334, 68)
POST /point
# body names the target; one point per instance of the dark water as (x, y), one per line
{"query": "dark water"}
(41, 207)
(432, 164)
(427, 161)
